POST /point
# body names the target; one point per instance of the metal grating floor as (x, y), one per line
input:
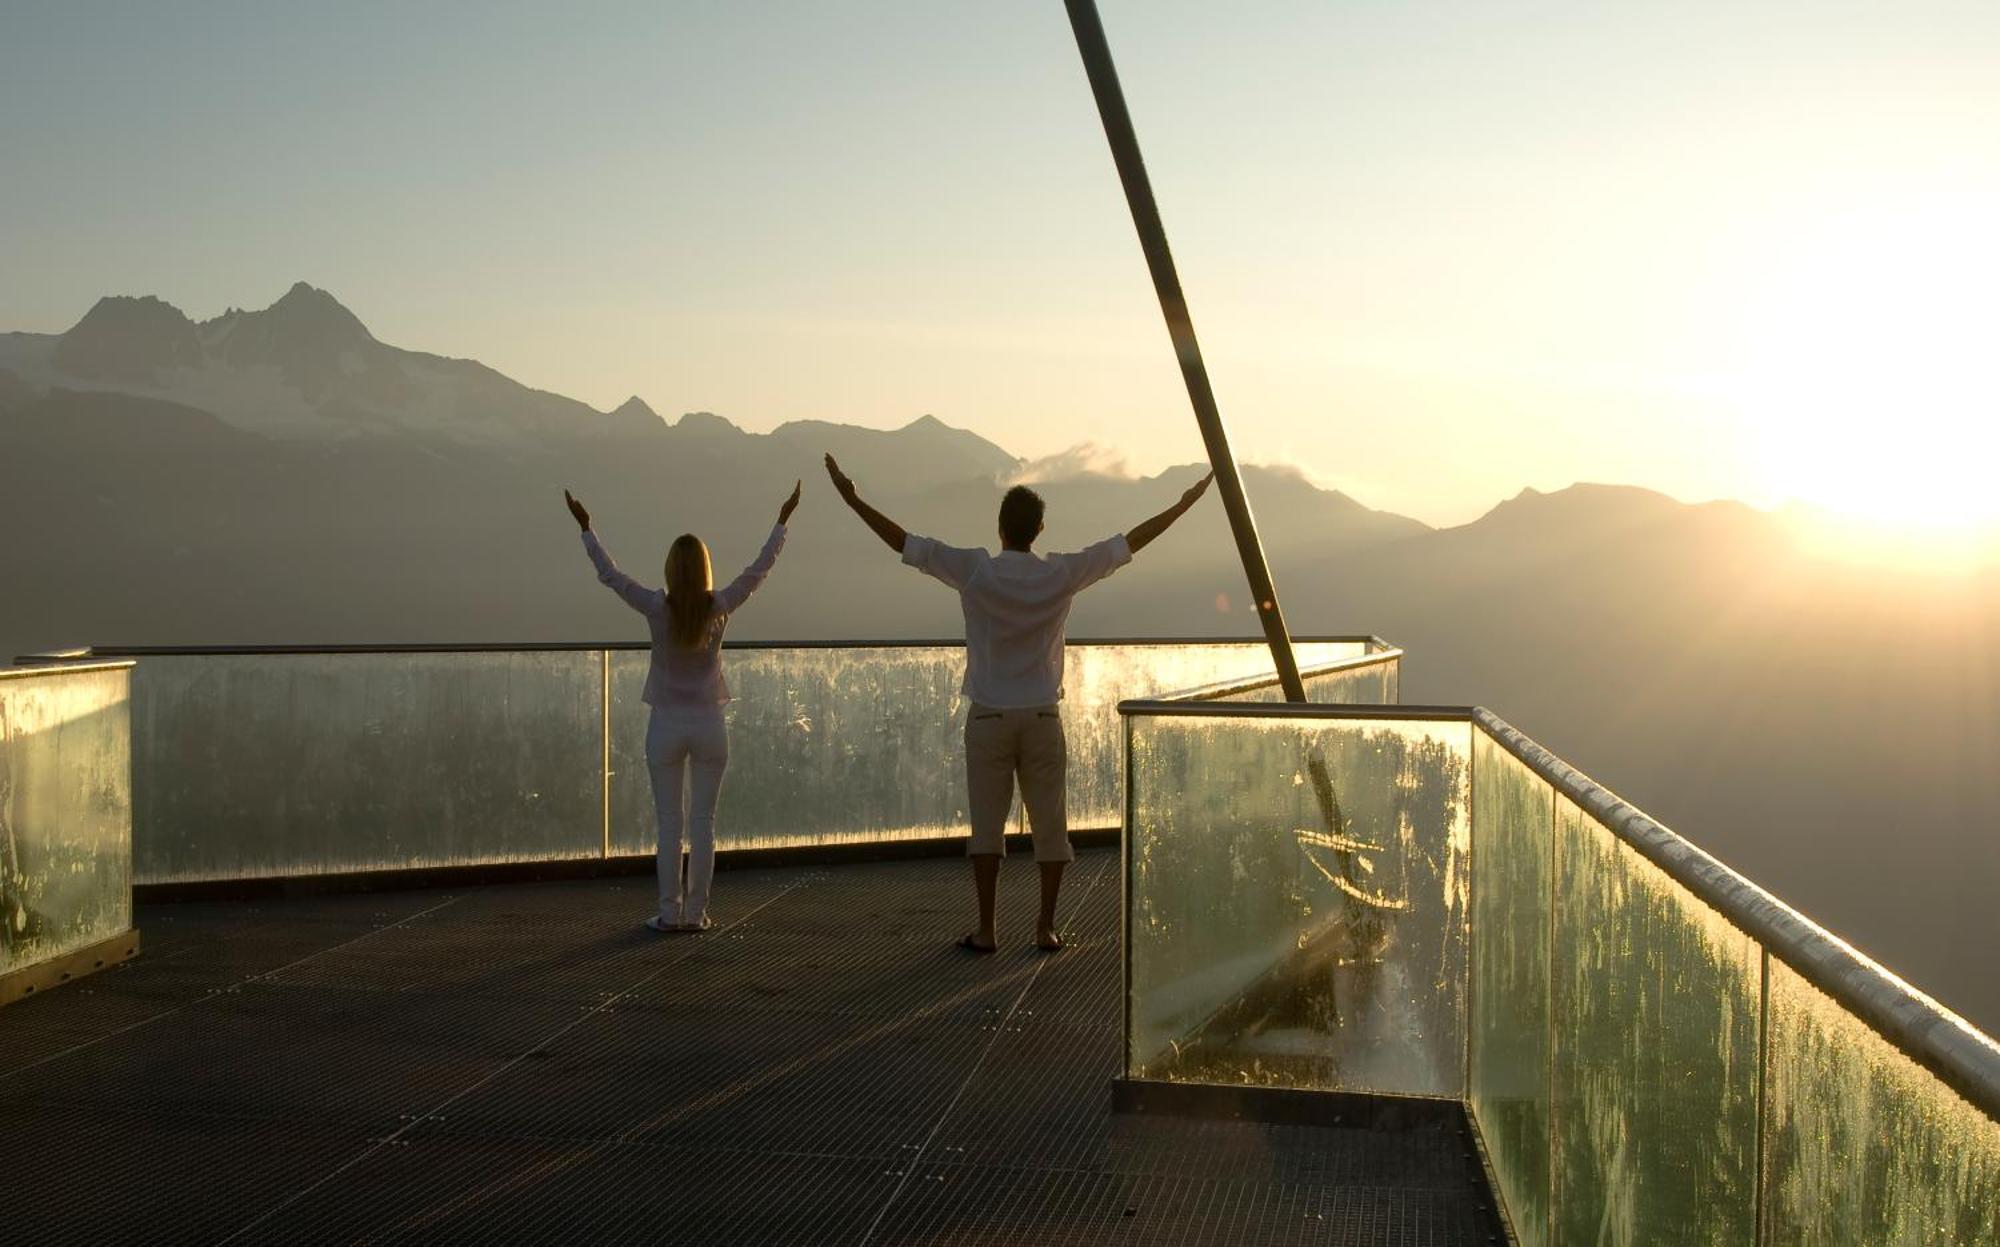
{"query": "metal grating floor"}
(524, 1063)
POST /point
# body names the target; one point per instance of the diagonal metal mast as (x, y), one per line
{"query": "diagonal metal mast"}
(1180, 327)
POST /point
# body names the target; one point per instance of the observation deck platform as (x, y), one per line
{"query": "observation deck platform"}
(525, 1063)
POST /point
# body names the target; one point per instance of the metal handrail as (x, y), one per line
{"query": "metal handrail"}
(1140, 707)
(1948, 1046)
(492, 647)
(1922, 1029)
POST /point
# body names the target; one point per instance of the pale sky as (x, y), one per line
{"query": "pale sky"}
(1435, 252)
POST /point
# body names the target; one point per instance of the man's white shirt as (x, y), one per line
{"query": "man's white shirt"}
(1016, 606)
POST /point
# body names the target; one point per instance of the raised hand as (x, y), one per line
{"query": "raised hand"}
(791, 503)
(1196, 490)
(576, 509)
(1141, 535)
(841, 484)
(888, 530)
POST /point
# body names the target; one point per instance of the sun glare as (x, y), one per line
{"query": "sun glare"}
(1868, 380)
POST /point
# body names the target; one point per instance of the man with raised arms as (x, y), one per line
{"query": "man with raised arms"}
(1016, 604)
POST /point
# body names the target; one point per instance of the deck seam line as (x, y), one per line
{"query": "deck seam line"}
(903, 1180)
(213, 992)
(416, 1119)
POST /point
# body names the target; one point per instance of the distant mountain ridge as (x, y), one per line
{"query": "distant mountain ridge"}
(293, 428)
(308, 368)
(282, 476)
(304, 367)
(129, 340)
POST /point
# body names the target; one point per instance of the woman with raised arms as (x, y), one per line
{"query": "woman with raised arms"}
(685, 733)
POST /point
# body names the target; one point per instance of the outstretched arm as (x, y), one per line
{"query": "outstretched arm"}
(888, 530)
(635, 595)
(1142, 534)
(738, 591)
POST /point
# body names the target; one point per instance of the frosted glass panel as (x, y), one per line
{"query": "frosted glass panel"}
(1297, 902)
(1512, 838)
(1865, 1146)
(825, 746)
(1305, 653)
(295, 764)
(65, 813)
(1655, 1082)
(1372, 685)
(839, 745)
(1097, 677)
(260, 764)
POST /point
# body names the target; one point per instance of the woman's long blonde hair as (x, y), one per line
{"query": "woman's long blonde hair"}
(690, 591)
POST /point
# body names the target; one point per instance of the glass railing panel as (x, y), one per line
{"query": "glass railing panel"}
(65, 813)
(1863, 1145)
(298, 764)
(826, 746)
(1372, 685)
(1656, 1010)
(1509, 1072)
(1305, 653)
(1347, 683)
(843, 745)
(268, 764)
(1296, 902)
(1097, 677)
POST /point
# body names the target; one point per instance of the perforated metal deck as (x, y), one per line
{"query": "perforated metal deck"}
(523, 1063)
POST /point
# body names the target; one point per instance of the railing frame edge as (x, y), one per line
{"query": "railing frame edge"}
(1919, 1027)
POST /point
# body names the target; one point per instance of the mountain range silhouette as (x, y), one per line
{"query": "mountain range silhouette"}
(283, 476)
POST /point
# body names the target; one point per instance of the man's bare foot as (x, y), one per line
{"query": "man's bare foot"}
(972, 943)
(1050, 942)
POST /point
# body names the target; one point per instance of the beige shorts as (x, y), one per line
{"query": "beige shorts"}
(1001, 746)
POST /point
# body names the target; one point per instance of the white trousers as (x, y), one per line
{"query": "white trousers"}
(680, 739)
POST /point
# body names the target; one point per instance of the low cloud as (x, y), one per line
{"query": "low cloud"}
(1082, 459)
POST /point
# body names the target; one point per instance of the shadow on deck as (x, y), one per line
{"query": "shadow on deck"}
(524, 1063)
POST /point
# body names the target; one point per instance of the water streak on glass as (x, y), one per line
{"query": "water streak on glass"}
(1864, 1146)
(1509, 1076)
(1656, 1008)
(1298, 902)
(65, 814)
(302, 764)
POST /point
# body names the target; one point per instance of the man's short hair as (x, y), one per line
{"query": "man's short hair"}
(1021, 516)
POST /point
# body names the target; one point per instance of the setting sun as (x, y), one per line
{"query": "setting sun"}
(1868, 383)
